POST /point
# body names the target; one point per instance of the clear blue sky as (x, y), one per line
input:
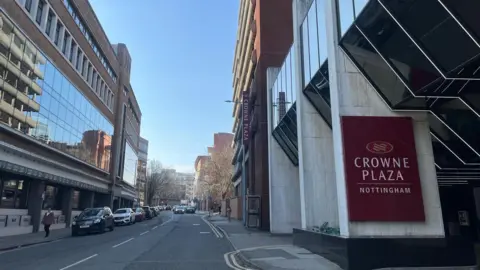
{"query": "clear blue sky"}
(182, 55)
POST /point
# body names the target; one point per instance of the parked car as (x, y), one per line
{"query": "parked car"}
(124, 216)
(168, 208)
(139, 214)
(148, 212)
(93, 220)
(179, 210)
(190, 210)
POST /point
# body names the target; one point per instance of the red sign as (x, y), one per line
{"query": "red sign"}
(381, 170)
(246, 117)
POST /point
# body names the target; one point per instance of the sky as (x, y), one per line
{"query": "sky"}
(182, 57)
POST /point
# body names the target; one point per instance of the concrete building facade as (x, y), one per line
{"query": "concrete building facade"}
(142, 170)
(371, 162)
(63, 115)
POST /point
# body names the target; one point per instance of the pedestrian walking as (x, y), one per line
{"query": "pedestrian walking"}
(47, 221)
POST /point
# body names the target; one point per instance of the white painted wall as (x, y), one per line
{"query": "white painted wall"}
(283, 177)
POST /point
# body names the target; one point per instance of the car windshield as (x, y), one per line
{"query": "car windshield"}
(139, 210)
(90, 212)
(121, 211)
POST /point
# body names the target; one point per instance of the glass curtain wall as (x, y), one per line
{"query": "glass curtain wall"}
(38, 100)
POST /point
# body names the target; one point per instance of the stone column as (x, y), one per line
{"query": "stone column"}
(67, 202)
(35, 202)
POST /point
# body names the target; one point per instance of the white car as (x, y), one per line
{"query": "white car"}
(124, 216)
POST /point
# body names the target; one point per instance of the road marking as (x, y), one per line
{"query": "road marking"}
(196, 224)
(144, 233)
(126, 241)
(154, 227)
(213, 228)
(79, 262)
(204, 232)
(231, 262)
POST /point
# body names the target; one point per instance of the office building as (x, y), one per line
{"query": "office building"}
(142, 170)
(373, 145)
(263, 38)
(69, 120)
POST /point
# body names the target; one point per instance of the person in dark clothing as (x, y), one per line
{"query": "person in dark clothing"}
(47, 221)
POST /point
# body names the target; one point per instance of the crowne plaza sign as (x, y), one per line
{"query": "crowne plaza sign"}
(381, 170)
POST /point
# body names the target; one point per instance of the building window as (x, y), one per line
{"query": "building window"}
(49, 23)
(79, 52)
(64, 45)
(76, 199)
(14, 193)
(40, 8)
(88, 72)
(57, 33)
(28, 5)
(72, 49)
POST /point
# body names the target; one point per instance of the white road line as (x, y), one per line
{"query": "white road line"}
(212, 227)
(144, 233)
(126, 241)
(154, 227)
(196, 224)
(79, 262)
(204, 232)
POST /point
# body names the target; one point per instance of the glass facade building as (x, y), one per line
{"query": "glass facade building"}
(38, 100)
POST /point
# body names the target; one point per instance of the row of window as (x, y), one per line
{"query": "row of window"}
(88, 35)
(51, 25)
(38, 100)
(283, 89)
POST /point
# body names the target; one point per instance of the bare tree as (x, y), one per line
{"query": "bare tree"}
(159, 181)
(218, 174)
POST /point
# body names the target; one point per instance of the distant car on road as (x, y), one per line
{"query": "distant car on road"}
(179, 210)
(168, 208)
(93, 220)
(124, 216)
(190, 210)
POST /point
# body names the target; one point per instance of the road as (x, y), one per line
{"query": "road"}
(173, 242)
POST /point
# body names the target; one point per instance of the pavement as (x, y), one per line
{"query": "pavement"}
(255, 249)
(173, 242)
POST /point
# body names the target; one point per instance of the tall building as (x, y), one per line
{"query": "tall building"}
(221, 141)
(264, 36)
(142, 169)
(374, 159)
(69, 120)
(185, 182)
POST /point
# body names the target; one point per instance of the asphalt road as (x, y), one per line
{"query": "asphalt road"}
(170, 242)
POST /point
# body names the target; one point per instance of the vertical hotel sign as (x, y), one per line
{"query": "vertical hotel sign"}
(245, 117)
(381, 170)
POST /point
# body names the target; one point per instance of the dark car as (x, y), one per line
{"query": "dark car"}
(168, 208)
(148, 212)
(93, 220)
(190, 210)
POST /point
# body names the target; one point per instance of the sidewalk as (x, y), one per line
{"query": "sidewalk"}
(22, 240)
(262, 250)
